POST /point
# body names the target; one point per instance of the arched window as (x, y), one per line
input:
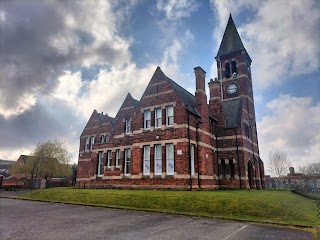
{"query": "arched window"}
(231, 168)
(227, 73)
(223, 168)
(234, 68)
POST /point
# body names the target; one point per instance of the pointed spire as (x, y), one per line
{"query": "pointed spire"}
(231, 40)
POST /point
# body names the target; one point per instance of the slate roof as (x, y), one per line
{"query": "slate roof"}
(231, 41)
(101, 117)
(232, 110)
(186, 96)
(112, 120)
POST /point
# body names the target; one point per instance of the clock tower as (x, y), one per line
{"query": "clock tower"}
(233, 64)
(231, 96)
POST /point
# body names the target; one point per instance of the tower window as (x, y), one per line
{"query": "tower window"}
(234, 68)
(227, 73)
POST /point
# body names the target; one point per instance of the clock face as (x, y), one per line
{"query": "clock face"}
(232, 88)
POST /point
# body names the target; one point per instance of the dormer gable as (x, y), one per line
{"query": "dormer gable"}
(93, 124)
(128, 103)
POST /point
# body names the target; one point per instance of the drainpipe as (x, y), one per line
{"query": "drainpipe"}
(254, 159)
(190, 180)
(217, 153)
(197, 139)
(237, 145)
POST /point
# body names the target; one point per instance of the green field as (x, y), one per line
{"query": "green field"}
(266, 206)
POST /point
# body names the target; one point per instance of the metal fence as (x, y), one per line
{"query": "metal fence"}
(306, 185)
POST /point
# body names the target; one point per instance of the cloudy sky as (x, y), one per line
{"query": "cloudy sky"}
(60, 60)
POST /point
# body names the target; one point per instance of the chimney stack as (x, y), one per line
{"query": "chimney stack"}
(200, 79)
(215, 90)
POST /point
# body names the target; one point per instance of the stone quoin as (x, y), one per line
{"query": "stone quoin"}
(173, 139)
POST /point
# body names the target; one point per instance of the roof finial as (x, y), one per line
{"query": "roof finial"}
(230, 16)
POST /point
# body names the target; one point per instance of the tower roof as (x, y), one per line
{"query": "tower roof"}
(231, 41)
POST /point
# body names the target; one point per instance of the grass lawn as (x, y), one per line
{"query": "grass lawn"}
(267, 205)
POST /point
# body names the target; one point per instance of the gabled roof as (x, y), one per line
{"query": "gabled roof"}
(129, 102)
(186, 96)
(231, 41)
(26, 158)
(232, 110)
(108, 119)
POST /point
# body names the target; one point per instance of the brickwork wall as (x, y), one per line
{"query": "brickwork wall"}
(208, 153)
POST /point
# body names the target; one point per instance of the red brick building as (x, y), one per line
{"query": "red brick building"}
(174, 139)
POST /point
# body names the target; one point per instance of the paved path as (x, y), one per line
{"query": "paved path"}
(38, 220)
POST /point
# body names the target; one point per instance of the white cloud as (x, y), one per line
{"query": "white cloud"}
(282, 35)
(54, 36)
(14, 154)
(24, 103)
(68, 87)
(293, 127)
(2, 16)
(108, 90)
(177, 9)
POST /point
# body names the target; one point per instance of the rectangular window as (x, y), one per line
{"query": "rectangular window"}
(146, 160)
(170, 158)
(158, 117)
(157, 159)
(109, 159)
(128, 126)
(107, 138)
(127, 162)
(147, 119)
(169, 114)
(102, 139)
(86, 144)
(100, 164)
(117, 158)
(92, 142)
(192, 159)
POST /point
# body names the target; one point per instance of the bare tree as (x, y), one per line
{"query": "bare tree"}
(279, 163)
(310, 169)
(303, 168)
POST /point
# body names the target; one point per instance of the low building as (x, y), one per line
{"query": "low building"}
(293, 180)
